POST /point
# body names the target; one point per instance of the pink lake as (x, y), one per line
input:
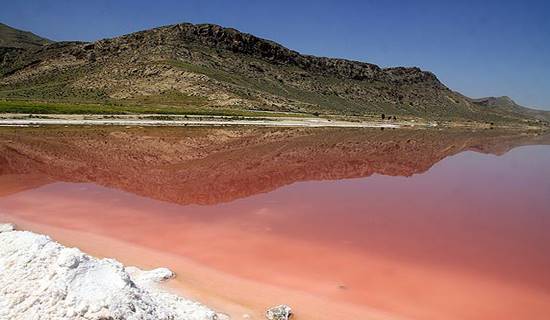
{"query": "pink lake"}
(358, 224)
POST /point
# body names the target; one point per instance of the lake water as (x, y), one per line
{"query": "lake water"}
(340, 224)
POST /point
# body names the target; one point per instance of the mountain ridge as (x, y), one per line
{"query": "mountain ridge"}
(237, 41)
(210, 66)
(510, 106)
(15, 38)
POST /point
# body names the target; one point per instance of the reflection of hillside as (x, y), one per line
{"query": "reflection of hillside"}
(212, 165)
(11, 184)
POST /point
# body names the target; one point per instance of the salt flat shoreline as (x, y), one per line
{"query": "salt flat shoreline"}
(197, 282)
(191, 120)
(174, 120)
(39, 276)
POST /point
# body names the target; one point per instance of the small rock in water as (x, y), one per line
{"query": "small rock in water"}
(6, 227)
(221, 316)
(282, 312)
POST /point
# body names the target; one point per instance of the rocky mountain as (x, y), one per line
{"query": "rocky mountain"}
(14, 42)
(507, 105)
(503, 101)
(215, 67)
(14, 38)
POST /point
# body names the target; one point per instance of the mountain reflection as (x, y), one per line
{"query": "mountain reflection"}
(201, 165)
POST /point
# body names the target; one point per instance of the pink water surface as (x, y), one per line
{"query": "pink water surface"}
(469, 239)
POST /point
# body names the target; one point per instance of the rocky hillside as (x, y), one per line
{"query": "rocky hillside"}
(14, 38)
(211, 66)
(14, 42)
(508, 106)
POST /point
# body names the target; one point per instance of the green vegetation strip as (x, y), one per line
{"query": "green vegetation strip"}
(32, 107)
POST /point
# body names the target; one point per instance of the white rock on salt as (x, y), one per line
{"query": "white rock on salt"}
(153, 276)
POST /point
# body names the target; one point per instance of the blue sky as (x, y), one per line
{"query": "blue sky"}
(479, 48)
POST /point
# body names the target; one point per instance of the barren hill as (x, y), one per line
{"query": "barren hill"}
(14, 38)
(215, 67)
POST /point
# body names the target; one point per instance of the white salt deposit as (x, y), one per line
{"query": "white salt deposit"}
(42, 279)
(6, 227)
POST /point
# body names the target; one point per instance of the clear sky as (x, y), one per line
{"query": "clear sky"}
(480, 48)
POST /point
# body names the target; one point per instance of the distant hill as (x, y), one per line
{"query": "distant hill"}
(14, 38)
(211, 66)
(505, 104)
(503, 101)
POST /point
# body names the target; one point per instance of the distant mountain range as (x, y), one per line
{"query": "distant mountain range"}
(214, 67)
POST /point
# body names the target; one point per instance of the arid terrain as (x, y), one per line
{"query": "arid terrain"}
(203, 68)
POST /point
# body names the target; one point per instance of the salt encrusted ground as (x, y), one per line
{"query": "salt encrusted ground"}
(42, 279)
